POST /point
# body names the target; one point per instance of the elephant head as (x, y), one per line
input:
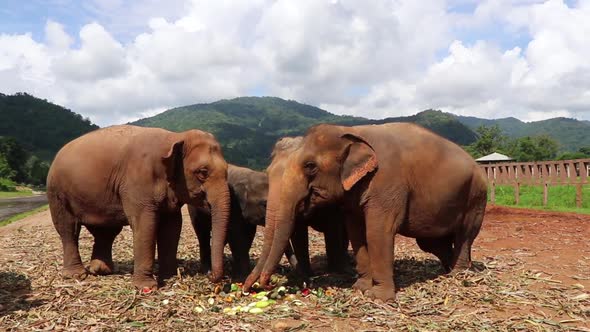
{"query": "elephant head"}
(197, 173)
(319, 169)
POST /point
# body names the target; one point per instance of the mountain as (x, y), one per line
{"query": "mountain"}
(38, 125)
(571, 134)
(248, 127)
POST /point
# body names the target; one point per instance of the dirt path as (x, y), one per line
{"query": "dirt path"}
(13, 206)
(534, 276)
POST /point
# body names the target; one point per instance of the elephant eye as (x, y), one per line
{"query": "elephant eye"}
(203, 173)
(311, 168)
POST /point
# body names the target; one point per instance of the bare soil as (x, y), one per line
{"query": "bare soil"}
(531, 273)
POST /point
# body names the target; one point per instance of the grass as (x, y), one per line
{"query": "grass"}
(561, 198)
(13, 194)
(23, 215)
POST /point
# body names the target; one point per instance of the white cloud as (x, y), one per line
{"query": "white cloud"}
(374, 58)
(100, 57)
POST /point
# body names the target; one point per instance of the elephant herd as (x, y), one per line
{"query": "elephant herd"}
(361, 184)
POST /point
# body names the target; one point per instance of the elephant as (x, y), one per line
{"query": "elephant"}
(129, 175)
(396, 178)
(248, 191)
(321, 219)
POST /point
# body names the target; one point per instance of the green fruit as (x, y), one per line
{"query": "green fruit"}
(256, 311)
(260, 295)
(262, 304)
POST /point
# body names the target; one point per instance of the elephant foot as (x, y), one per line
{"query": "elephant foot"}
(446, 268)
(459, 267)
(166, 272)
(145, 284)
(100, 267)
(363, 284)
(205, 269)
(77, 273)
(239, 275)
(341, 268)
(381, 293)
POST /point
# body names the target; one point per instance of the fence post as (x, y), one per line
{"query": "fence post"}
(517, 193)
(493, 192)
(545, 193)
(579, 195)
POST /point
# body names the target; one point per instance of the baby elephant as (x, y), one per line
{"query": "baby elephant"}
(248, 192)
(127, 175)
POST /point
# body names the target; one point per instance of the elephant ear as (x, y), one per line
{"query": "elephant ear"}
(359, 160)
(173, 160)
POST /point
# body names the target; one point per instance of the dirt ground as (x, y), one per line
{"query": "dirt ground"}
(532, 273)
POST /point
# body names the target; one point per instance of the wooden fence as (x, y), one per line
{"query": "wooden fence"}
(543, 173)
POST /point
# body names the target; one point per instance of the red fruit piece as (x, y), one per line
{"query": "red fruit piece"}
(146, 290)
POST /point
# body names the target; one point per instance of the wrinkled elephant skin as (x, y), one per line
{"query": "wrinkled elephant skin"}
(389, 179)
(128, 175)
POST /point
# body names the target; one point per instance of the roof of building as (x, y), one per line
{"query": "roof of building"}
(494, 157)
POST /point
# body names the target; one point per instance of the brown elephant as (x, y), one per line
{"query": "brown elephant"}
(248, 192)
(390, 179)
(327, 218)
(127, 175)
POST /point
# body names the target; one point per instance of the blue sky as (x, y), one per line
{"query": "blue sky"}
(115, 60)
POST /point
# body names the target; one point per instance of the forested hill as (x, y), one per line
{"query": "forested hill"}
(247, 127)
(38, 125)
(571, 134)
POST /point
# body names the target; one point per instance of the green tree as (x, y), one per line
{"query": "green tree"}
(490, 139)
(16, 157)
(5, 170)
(583, 152)
(536, 148)
(37, 170)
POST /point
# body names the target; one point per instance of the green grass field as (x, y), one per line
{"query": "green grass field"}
(560, 198)
(13, 194)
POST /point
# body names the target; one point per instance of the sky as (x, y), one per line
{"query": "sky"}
(116, 61)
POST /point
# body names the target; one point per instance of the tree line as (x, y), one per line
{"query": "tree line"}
(17, 165)
(528, 148)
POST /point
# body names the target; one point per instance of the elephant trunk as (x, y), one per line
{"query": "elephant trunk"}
(272, 206)
(219, 200)
(293, 191)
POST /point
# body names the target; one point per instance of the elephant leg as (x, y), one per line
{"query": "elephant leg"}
(464, 237)
(240, 241)
(169, 227)
(337, 250)
(442, 248)
(202, 227)
(101, 262)
(380, 227)
(68, 227)
(144, 249)
(290, 256)
(300, 241)
(355, 227)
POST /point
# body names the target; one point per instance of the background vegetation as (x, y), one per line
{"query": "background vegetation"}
(32, 130)
(528, 148)
(248, 127)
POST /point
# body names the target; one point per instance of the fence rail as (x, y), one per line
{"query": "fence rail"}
(543, 173)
